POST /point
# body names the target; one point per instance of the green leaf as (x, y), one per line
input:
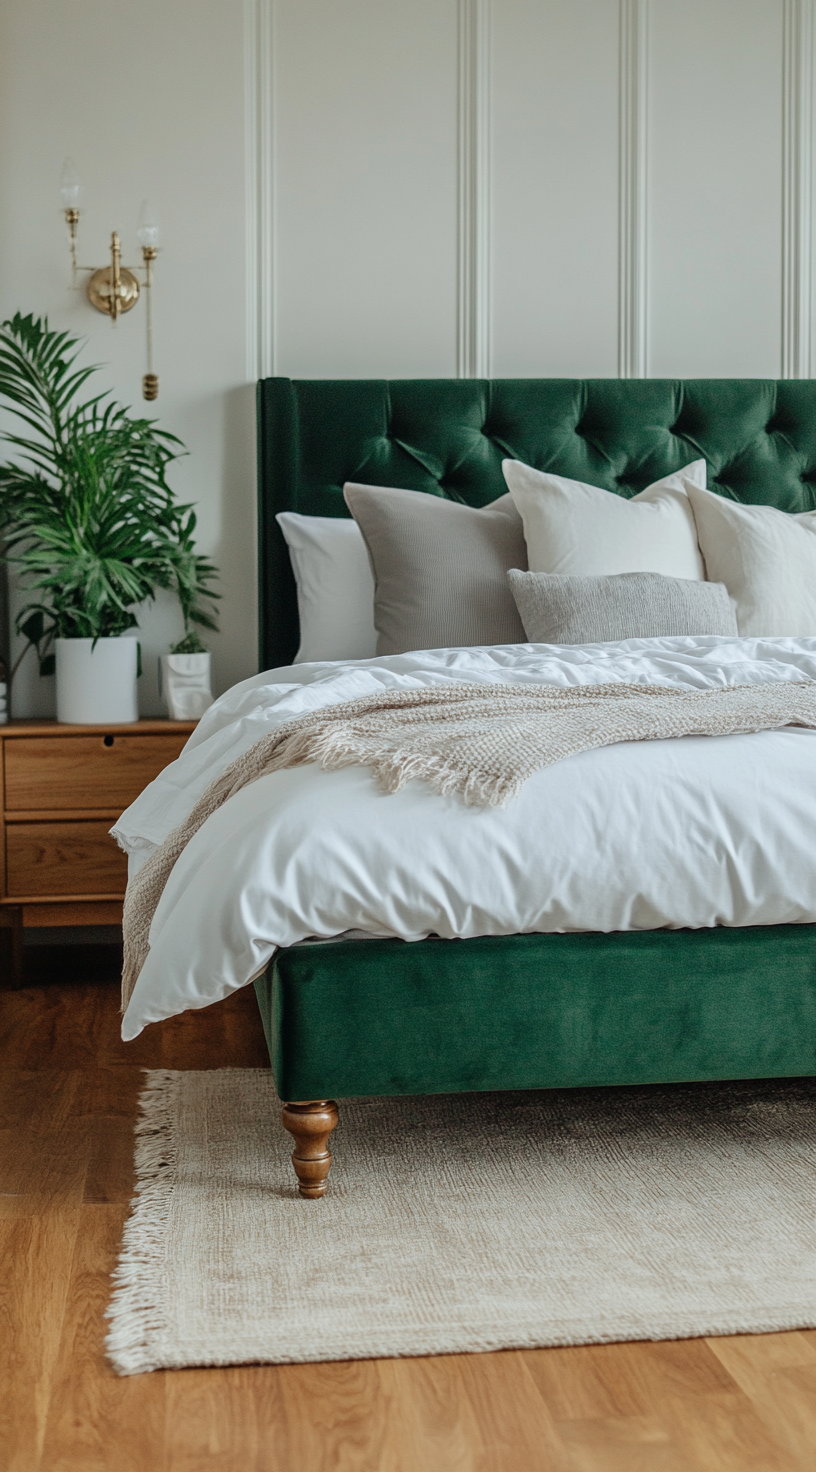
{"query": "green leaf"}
(33, 628)
(86, 512)
(48, 665)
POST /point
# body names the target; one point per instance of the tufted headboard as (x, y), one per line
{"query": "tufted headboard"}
(449, 437)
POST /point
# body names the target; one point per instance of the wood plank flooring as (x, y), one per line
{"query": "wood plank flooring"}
(68, 1092)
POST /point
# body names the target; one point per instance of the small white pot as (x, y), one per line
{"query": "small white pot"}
(96, 686)
(184, 681)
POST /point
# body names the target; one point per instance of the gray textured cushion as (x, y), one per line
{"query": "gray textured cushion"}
(440, 568)
(557, 608)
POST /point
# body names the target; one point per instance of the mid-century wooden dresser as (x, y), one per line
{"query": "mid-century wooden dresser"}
(62, 787)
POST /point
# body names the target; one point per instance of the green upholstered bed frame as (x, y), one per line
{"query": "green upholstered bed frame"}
(529, 1011)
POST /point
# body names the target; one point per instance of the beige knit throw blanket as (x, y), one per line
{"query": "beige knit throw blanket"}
(481, 741)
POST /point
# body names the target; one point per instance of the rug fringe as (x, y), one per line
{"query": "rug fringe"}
(630, 1206)
(137, 1307)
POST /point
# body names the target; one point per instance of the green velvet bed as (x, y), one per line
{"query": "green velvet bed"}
(528, 1011)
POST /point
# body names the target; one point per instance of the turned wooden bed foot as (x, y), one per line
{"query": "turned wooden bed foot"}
(311, 1124)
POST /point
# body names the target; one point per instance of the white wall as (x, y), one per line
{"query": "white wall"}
(364, 97)
(555, 188)
(715, 188)
(370, 214)
(150, 102)
(351, 187)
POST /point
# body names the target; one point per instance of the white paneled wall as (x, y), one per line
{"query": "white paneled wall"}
(555, 188)
(364, 181)
(715, 188)
(612, 192)
(409, 188)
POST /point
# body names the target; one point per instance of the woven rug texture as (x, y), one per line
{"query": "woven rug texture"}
(464, 1223)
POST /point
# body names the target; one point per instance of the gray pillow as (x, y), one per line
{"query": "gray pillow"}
(440, 568)
(558, 608)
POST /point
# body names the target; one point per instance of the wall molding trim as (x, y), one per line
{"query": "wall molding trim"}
(473, 314)
(259, 142)
(797, 188)
(632, 189)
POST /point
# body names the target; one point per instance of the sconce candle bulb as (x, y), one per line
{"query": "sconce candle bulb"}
(70, 186)
(148, 231)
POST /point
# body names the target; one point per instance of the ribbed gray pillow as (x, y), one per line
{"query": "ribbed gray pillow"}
(440, 568)
(558, 608)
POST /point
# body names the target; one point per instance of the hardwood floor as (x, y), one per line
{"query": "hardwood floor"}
(68, 1092)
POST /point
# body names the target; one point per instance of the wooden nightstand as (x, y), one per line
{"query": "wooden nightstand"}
(62, 787)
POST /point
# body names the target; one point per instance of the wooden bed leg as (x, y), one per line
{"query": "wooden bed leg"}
(311, 1124)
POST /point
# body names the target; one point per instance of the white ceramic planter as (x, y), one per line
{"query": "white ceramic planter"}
(184, 681)
(97, 685)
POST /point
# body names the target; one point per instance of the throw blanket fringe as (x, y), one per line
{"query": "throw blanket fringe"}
(481, 742)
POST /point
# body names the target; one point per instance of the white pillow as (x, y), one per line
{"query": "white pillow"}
(765, 557)
(335, 587)
(582, 530)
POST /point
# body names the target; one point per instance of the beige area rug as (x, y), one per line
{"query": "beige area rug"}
(464, 1223)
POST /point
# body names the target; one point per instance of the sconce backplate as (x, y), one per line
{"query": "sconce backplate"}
(100, 289)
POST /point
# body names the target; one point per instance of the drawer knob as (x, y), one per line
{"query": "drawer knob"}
(108, 740)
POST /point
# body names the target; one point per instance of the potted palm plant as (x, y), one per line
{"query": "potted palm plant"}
(89, 522)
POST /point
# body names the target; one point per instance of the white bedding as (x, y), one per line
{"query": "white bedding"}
(690, 832)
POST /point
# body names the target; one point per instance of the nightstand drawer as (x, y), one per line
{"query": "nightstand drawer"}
(47, 773)
(63, 859)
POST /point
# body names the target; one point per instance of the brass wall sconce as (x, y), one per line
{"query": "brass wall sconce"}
(115, 289)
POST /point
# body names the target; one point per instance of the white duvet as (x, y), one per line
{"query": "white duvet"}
(697, 831)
